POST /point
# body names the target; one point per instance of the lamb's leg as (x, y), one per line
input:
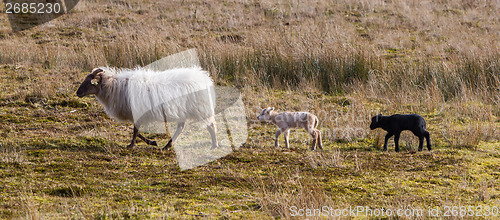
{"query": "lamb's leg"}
(428, 137)
(180, 127)
(211, 130)
(320, 144)
(396, 141)
(132, 143)
(278, 133)
(314, 135)
(287, 132)
(150, 142)
(387, 136)
(420, 142)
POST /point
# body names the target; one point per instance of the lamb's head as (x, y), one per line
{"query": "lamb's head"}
(265, 114)
(92, 83)
(376, 121)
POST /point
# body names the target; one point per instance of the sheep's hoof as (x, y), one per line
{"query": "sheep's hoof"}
(214, 147)
(130, 146)
(169, 145)
(153, 143)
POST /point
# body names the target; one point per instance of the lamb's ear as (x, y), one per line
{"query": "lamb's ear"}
(271, 109)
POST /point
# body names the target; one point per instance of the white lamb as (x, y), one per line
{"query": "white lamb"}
(141, 96)
(287, 120)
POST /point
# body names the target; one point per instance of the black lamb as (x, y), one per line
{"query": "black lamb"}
(394, 124)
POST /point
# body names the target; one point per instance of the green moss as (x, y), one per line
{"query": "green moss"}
(71, 103)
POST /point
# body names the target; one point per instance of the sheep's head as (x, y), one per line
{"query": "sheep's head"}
(265, 114)
(92, 83)
(375, 121)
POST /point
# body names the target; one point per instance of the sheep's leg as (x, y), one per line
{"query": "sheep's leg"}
(286, 134)
(150, 142)
(180, 127)
(278, 133)
(211, 130)
(132, 143)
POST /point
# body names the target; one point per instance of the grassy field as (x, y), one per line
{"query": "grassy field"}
(62, 157)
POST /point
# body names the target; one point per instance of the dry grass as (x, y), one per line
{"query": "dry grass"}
(345, 61)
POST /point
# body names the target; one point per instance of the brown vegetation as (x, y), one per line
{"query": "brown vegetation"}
(349, 60)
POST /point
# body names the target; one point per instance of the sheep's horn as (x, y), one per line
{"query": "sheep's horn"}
(96, 71)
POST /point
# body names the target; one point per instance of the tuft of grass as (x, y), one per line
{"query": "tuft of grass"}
(69, 191)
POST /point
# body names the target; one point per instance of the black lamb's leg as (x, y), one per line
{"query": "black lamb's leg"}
(396, 141)
(387, 136)
(420, 142)
(428, 137)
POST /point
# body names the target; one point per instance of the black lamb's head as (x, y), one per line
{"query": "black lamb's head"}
(375, 121)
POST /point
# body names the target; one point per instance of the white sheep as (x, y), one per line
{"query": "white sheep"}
(142, 96)
(287, 120)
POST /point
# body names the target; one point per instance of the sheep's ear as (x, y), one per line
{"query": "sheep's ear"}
(271, 109)
(95, 81)
(96, 71)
